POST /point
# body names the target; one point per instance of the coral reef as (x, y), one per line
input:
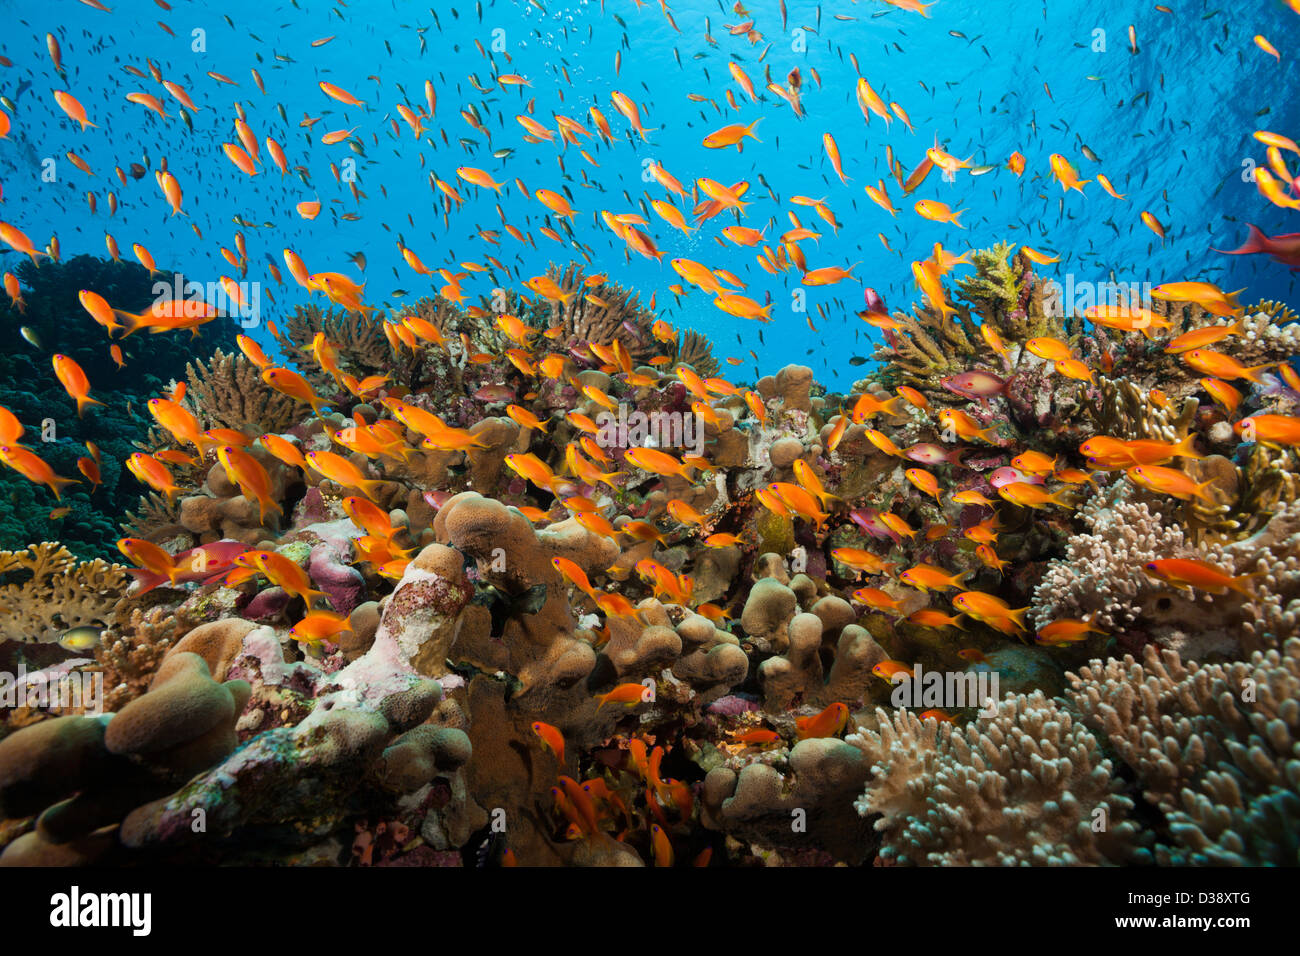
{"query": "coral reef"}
(458, 614)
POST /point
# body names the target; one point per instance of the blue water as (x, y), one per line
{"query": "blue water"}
(1179, 153)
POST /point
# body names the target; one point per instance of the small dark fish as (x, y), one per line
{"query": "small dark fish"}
(858, 360)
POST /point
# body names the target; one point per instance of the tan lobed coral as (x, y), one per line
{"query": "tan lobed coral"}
(1216, 747)
(1027, 787)
(47, 592)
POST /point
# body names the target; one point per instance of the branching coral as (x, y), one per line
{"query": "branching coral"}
(695, 350)
(154, 518)
(616, 314)
(358, 337)
(1030, 786)
(46, 592)
(1216, 747)
(1102, 576)
(228, 392)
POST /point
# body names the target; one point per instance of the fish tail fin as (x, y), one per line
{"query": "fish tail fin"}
(1059, 502)
(1256, 241)
(989, 434)
(83, 401)
(1255, 371)
(1017, 617)
(128, 321)
(1187, 448)
(1239, 583)
(892, 407)
(262, 504)
(1200, 491)
(370, 486)
(56, 483)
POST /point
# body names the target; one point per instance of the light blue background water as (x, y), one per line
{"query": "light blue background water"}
(1179, 154)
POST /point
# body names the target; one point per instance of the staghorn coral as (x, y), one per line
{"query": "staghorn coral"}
(1030, 786)
(228, 392)
(1004, 293)
(929, 345)
(46, 591)
(1215, 747)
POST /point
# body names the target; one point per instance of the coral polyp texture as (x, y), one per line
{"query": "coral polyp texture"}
(525, 474)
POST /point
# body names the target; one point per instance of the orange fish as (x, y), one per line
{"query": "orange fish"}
(551, 738)
(627, 694)
(1187, 574)
(829, 723)
(74, 381)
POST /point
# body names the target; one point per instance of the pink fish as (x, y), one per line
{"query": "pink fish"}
(1007, 475)
(495, 393)
(928, 453)
(205, 563)
(1284, 249)
(873, 301)
(868, 519)
(974, 384)
(436, 499)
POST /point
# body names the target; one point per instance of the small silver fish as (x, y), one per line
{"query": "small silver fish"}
(1087, 151)
(981, 170)
(30, 335)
